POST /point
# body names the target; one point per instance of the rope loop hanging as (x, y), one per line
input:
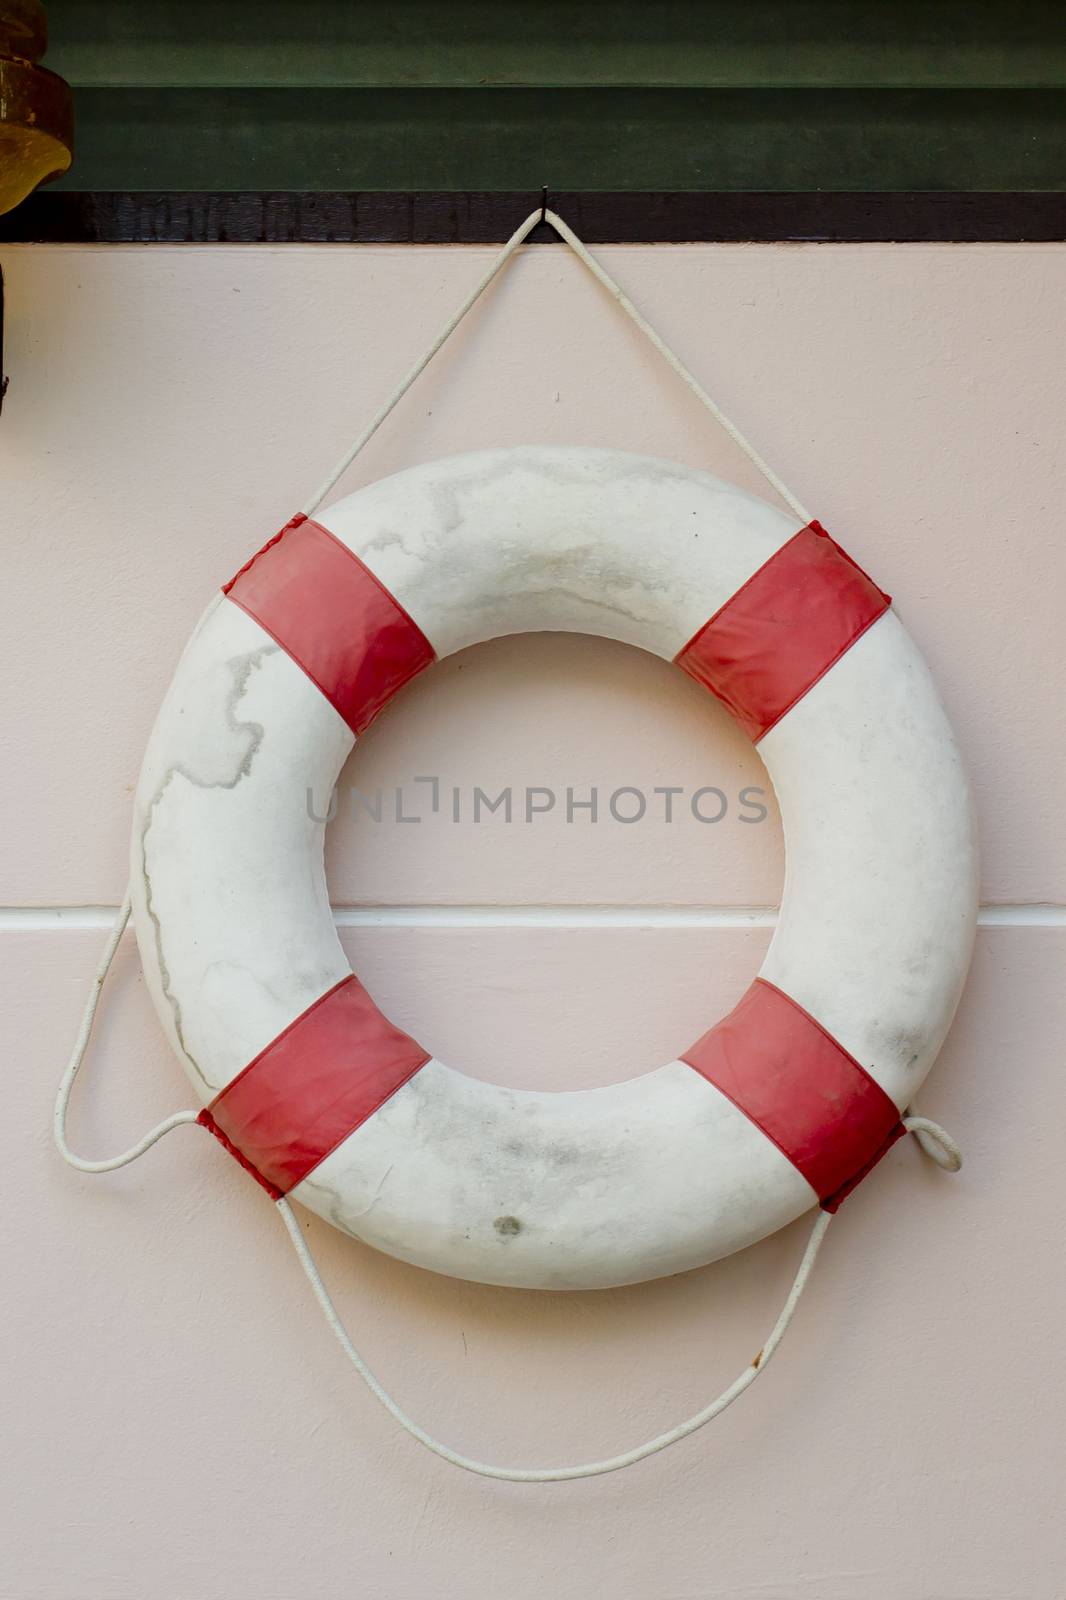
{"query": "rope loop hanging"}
(940, 1146)
(602, 276)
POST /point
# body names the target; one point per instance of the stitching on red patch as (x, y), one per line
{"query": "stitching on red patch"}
(293, 522)
(206, 1120)
(887, 598)
(833, 1201)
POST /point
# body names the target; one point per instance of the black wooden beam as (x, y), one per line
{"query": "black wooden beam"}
(423, 217)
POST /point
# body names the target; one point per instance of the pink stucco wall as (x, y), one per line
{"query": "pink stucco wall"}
(178, 1422)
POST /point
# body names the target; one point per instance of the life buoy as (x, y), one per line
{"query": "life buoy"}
(784, 1104)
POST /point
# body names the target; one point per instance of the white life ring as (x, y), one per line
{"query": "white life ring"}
(786, 1103)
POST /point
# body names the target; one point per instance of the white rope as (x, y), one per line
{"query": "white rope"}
(420, 366)
(932, 1138)
(937, 1143)
(589, 1469)
(77, 1056)
(674, 361)
(615, 291)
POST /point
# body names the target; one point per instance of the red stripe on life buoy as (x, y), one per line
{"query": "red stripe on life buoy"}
(783, 629)
(327, 610)
(312, 1086)
(803, 1089)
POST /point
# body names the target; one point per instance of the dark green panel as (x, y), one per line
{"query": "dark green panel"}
(339, 139)
(558, 43)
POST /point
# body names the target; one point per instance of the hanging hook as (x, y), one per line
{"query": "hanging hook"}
(544, 203)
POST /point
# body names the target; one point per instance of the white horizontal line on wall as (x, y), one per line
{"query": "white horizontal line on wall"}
(29, 918)
(555, 916)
